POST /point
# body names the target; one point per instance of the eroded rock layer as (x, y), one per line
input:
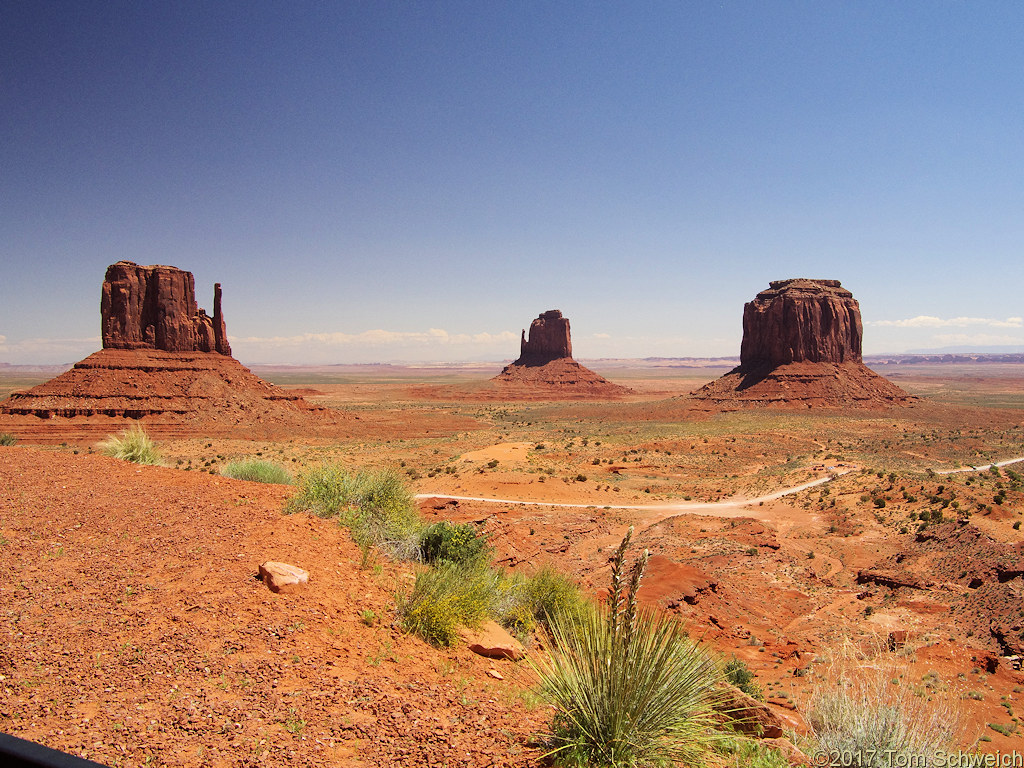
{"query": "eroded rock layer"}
(549, 340)
(801, 348)
(172, 392)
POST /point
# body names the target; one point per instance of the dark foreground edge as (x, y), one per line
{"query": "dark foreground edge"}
(18, 753)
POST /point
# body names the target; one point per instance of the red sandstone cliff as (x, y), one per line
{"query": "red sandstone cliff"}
(155, 308)
(796, 321)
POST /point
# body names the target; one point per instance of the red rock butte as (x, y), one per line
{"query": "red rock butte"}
(545, 368)
(164, 361)
(801, 348)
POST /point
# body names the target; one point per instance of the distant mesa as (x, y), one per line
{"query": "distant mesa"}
(801, 348)
(549, 340)
(165, 361)
(545, 368)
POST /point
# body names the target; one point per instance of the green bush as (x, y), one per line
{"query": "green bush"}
(452, 542)
(132, 445)
(737, 673)
(446, 597)
(524, 601)
(257, 471)
(861, 709)
(376, 506)
(628, 686)
(6, 438)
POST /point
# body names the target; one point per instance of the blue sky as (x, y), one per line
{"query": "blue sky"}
(380, 181)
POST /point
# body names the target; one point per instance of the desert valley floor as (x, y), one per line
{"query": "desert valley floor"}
(135, 633)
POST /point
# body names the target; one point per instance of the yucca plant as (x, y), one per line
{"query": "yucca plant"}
(133, 445)
(6, 438)
(628, 686)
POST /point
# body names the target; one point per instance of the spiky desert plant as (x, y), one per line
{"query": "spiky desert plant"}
(863, 709)
(6, 438)
(133, 445)
(257, 471)
(629, 687)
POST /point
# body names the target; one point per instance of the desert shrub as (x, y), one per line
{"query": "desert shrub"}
(132, 445)
(738, 673)
(860, 711)
(452, 542)
(376, 506)
(445, 597)
(523, 602)
(628, 686)
(6, 438)
(257, 471)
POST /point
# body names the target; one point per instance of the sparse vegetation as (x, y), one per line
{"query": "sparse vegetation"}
(133, 445)
(628, 686)
(6, 438)
(738, 674)
(452, 542)
(860, 711)
(257, 471)
(376, 506)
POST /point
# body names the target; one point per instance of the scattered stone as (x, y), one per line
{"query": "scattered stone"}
(789, 751)
(749, 715)
(282, 577)
(491, 640)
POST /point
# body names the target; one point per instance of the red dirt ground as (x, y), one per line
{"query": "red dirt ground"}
(135, 632)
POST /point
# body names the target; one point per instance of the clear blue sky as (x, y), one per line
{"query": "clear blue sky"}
(380, 180)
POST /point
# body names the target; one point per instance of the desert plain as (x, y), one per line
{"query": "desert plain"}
(136, 633)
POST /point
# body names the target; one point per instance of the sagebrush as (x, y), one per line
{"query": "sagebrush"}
(863, 708)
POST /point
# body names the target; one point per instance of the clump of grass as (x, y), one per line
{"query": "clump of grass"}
(257, 471)
(859, 711)
(376, 506)
(628, 686)
(445, 597)
(452, 542)
(6, 438)
(133, 445)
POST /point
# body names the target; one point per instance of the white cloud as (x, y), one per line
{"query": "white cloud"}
(928, 321)
(47, 351)
(979, 339)
(602, 335)
(377, 338)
